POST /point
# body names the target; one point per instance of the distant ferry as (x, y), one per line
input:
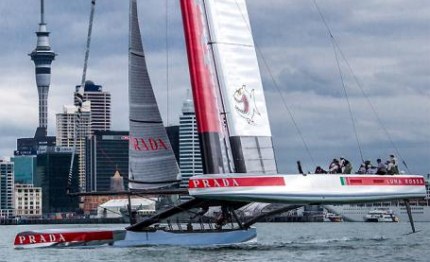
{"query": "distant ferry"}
(355, 212)
(381, 215)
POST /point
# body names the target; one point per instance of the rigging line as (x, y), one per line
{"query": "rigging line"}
(167, 61)
(333, 44)
(354, 127)
(79, 96)
(272, 78)
(378, 118)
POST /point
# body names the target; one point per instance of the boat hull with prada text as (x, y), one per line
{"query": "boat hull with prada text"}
(307, 189)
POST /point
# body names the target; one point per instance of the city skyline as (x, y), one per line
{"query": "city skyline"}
(386, 44)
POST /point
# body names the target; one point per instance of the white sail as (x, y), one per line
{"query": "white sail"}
(237, 68)
(240, 86)
(152, 163)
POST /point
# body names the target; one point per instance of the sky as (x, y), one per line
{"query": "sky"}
(385, 43)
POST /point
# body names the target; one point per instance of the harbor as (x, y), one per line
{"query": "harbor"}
(277, 242)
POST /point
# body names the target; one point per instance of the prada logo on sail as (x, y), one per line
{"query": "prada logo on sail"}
(147, 144)
(39, 238)
(235, 182)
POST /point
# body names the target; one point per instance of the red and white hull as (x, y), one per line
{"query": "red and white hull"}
(87, 237)
(307, 189)
(68, 237)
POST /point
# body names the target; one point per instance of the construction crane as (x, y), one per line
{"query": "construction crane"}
(80, 93)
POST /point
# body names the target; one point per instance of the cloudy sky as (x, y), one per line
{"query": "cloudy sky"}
(386, 43)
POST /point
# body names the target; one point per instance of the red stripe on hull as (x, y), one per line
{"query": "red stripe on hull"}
(200, 73)
(384, 181)
(236, 182)
(28, 238)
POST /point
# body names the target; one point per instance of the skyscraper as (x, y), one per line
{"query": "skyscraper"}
(106, 152)
(67, 130)
(190, 160)
(100, 105)
(52, 176)
(42, 57)
(6, 188)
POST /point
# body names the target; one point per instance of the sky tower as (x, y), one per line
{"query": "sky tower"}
(42, 57)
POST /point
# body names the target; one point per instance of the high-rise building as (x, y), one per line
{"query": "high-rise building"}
(100, 105)
(68, 133)
(106, 152)
(190, 160)
(6, 188)
(24, 168)
(52, 176)
(34, 145)
(42, 57)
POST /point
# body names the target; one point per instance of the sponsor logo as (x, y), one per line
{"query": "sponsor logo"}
(147, 144)
(235, 182)
(245, 104)
(39, 238)
(27, 238)
(382, 181)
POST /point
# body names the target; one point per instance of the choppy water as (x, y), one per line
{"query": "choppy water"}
(276, 242)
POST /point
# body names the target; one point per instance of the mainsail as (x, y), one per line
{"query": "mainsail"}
(225, 39)
(152, 163)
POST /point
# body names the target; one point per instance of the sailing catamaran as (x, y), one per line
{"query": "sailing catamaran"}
(235, 136)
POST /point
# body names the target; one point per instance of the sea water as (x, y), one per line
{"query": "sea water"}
(276, 242)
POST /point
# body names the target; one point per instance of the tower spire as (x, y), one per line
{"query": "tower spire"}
(42, 57)
(42, 12)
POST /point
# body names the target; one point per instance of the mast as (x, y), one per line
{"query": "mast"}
(152, 163)
(203, 86)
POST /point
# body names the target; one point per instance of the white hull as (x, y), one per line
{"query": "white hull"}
(82, 237)
(307, 189)
(355, 213)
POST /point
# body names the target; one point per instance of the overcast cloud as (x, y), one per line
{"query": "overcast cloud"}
(385, 42)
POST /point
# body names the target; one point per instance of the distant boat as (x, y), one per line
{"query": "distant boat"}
(330, 217)
(381, 215)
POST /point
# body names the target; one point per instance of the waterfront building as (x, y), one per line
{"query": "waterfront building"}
(115, 207)
(190, 160)
(28, 201)
(6, 188)
(100, 105)
(68, 133)
(53, 176)
(24, 168)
